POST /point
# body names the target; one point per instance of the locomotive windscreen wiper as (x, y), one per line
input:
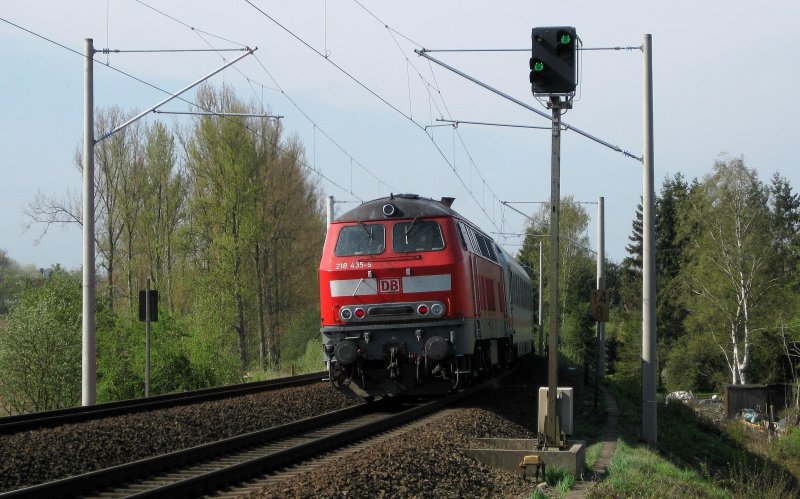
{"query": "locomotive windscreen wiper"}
(408, 229)
(364, 226)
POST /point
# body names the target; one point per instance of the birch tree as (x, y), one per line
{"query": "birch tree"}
(729, 277)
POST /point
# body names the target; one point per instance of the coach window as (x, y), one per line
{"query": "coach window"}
(361, 239)
(417, 235)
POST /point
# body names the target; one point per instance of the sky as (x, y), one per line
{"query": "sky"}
(345, 78)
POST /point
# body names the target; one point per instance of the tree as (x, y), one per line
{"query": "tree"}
(116, 200)
(785, 210)
(633, 262)
(163, 213)
(40, 345)
(224, 168)
(229, 228)
(117, 161)
(669, 258)
(291, 243)
(12, 278)
(576, 269)
(729, 277)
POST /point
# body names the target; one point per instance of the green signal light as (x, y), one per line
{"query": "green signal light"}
(565, 38)
(538, 66)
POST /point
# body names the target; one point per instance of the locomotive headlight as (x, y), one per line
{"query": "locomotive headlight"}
(423, 309)
(360, 313)
(346, 314)
(437, 309)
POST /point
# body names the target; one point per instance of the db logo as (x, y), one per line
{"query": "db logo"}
(389, 285)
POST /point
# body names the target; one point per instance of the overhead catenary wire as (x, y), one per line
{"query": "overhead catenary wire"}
(528, 49)
(423, 53)
(173, 96)
(145, 51)
(191, 103)
(435, 86)
(409, 117)
(375, 94)
(463, 122)
(200, 32)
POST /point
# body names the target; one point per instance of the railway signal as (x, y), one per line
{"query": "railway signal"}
(553, 60)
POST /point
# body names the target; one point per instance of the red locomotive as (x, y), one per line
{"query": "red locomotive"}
(415, 299)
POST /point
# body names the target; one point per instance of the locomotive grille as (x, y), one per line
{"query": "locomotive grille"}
(391, 311)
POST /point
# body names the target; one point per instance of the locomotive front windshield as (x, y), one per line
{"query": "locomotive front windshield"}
(417, 235)
(361, 239)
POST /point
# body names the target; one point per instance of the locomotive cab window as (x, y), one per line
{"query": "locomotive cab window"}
(417, 235)
(361, 239)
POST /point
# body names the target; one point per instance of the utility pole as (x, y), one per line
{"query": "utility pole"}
(649, 361)
(88, 333)
(601, 284)
(541, 302)
(552, 420)
(147, 314)
(89, 344)
(329, 211)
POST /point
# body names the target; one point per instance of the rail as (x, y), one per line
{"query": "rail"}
(214, 466)
(26, 422)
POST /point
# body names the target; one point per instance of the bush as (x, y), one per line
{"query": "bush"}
(787, 446)
(311, 361)
(303, 328)
(694, 363)
(40, 347)
(749, 478)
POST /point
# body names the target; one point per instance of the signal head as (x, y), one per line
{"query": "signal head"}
(553, 61)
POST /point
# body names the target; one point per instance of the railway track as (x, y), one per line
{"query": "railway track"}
(220, 465)
(26, 422)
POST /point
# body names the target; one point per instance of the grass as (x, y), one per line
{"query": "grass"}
(639, 471)
(693, 458)
(592, 453)
(310, 362)
(561, 479)
(538, 494)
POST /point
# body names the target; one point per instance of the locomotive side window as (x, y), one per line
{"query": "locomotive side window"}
(473, 242)
(417, 235)
(461, 237)
(361, 239)
(478, 243)
(485, 244)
